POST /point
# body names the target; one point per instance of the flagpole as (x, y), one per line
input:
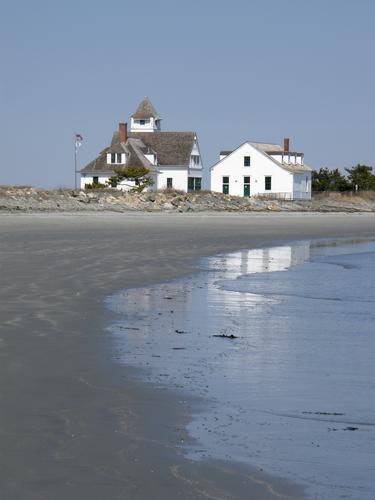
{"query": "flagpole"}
(77, 143)
(75, 161)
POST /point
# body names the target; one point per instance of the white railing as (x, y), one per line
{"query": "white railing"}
(297, 195)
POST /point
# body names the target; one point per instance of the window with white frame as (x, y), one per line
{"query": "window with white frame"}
(246, 161)
(115, 157)
(267, 183)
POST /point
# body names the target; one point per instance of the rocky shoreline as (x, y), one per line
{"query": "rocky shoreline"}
(30, 199)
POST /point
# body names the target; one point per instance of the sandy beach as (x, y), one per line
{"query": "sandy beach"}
(73, 423)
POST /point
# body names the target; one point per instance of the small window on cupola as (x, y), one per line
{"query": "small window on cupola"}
(195, 160)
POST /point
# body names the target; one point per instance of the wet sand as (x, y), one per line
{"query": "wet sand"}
(76, 425)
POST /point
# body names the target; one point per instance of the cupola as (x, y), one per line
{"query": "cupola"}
(146, 118)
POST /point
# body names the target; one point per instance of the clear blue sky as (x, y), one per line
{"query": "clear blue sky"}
(231, 70)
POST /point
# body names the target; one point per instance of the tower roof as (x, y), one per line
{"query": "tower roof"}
(145, 110)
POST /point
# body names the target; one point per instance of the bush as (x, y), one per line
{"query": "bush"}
(96, 185)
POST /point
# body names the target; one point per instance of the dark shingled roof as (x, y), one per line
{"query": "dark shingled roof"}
(134, 157)
(146, 110)
(116, 146)
(99, 164)
(172, 148)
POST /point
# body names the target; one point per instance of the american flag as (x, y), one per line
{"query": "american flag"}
(79, 140)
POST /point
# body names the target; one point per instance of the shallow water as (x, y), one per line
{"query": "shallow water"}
(293, 393)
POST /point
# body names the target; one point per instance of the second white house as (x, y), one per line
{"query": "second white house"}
(262, 169)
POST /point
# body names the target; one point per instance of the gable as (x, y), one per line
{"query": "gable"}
(262, 151)
(246, 149)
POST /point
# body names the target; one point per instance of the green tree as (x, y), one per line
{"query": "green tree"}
(361, 178)
(138, 175)
(329, 180)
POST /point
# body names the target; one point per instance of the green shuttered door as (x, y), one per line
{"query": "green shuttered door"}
(246, 186)
(226, 185)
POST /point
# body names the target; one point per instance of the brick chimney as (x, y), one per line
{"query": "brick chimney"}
(286, 145)
(123, 132)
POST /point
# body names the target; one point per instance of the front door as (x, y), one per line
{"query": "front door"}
(226, 185)
(246, 186)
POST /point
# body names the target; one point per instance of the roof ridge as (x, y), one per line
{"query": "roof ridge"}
(262, 142)
(141, 157)
(161, 132)
(286, 166)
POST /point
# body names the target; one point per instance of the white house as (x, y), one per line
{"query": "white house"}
(262, 169)
(173, 158)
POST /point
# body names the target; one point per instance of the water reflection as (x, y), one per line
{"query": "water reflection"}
(293, 364)
(260, 260)
(189, 314)
(222, 288)
(230, 266)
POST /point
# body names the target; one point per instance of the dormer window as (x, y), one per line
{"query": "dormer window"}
(115, 157)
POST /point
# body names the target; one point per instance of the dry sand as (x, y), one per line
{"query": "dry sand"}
(76, 425)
